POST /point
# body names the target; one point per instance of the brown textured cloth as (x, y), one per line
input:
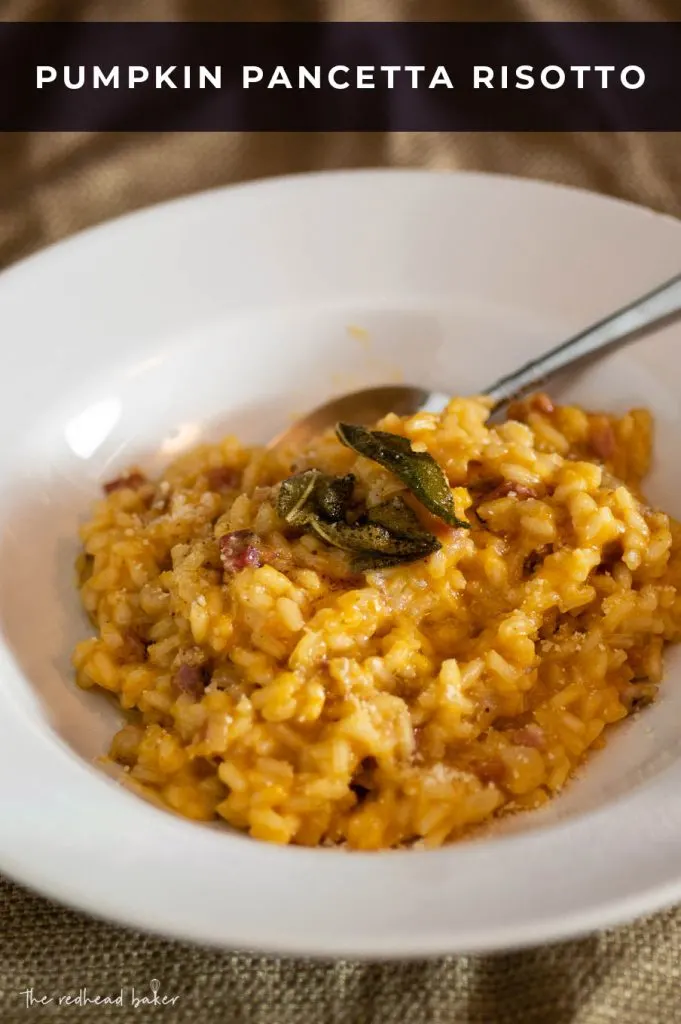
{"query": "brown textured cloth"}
(53, 185)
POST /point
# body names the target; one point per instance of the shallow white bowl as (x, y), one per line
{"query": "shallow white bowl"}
(231, 311)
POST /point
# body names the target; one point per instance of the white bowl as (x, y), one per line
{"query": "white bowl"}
(232, 311)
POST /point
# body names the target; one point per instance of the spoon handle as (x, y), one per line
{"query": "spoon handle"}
(652, 310)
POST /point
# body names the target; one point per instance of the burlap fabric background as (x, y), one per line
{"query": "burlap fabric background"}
(51, 186)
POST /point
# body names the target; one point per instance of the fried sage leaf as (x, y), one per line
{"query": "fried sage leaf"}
(417, 470)
(397, 517)
(314, 493)
(360, 537)
(294, 494)
(367, 561)
(332, 496)
(374, 545)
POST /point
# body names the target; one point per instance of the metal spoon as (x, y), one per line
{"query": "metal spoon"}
(653, 310)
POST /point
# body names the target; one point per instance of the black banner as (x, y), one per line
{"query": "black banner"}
(537, 76)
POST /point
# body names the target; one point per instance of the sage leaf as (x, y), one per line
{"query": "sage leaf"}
(332, 496)
(418, 471)
(294, 494)
(368, 561)
(360, 537)
(397, 517)
(312, 492)
(373, 544)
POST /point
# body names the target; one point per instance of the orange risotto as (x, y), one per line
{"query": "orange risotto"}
(403, 640)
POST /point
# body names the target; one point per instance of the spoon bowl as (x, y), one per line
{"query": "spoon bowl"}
(365, 408)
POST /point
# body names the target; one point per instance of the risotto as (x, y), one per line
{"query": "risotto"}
(387, 637)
